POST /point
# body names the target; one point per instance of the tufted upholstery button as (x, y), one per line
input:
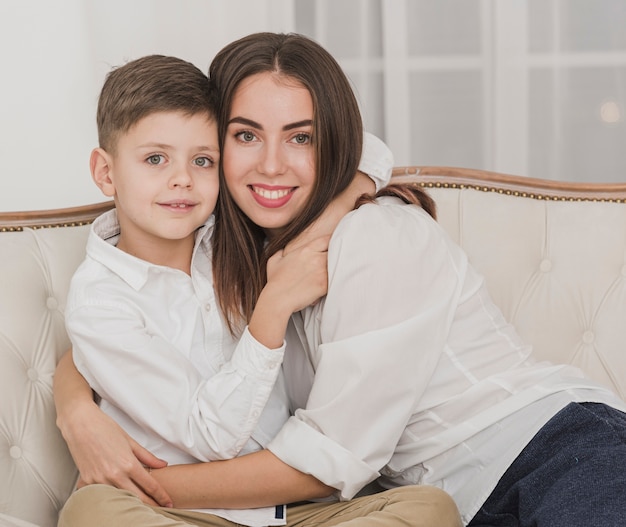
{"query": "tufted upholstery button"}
(15, 452)
(545, 266)
(52, 303)
(588, 337)
(33, 374)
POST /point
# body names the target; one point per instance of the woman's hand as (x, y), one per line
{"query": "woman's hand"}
(258, 479)
(102, 451)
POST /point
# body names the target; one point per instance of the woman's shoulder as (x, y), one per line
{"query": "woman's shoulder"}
(387, 216)
(388, 229)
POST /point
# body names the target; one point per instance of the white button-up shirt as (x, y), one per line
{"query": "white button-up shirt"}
(407, 370)
(151, 341)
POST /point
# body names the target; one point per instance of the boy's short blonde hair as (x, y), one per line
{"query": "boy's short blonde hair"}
(154, 83)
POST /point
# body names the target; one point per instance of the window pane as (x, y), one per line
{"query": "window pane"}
(541, 28)
(305, 17)
(577, 129)
(599, 25)
(577, 25)
(444, 27)
(340, 41)
(446, 111)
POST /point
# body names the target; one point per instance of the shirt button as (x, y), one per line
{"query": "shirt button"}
(207, 307)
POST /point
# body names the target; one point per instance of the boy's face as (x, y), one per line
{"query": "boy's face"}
(164, 176)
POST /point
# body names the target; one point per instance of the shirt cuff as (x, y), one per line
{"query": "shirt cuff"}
(309, 451)
(376, 160)
(254, 359)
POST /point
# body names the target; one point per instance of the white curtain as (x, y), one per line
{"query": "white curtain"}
(529, 87)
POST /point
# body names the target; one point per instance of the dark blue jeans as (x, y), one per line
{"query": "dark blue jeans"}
(572, 473)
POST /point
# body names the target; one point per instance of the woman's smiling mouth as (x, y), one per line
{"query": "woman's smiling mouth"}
(271, 197)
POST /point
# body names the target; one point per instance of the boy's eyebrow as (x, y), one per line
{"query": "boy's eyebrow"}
(164, 146)
(254, 124)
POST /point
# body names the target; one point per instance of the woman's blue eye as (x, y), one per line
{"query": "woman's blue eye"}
(246, 137)
(302, 139)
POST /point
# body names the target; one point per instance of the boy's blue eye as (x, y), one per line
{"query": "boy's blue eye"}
(203, 162)
(154, 159)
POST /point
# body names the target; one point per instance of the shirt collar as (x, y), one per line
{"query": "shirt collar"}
(103, 238)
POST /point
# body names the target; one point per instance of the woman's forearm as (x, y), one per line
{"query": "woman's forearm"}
(259, 479)
(102, 451)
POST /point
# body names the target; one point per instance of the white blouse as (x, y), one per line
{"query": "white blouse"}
(407, 370)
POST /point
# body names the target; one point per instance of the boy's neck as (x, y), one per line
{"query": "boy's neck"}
(176, 254)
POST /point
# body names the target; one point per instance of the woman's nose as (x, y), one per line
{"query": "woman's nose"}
(272, 161)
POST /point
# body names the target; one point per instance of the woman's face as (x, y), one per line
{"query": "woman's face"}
(269, 158)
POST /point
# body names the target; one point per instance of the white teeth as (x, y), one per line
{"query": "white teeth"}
(271, 194)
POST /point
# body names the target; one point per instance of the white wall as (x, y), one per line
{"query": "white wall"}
(54, 56)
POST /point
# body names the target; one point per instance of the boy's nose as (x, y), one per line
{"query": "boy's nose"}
(181, 178)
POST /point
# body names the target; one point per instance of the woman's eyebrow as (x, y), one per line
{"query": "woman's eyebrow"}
(254, 124)
(247, 122)
(305, 122)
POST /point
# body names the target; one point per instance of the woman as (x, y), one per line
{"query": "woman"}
(105, 505)
(407, 370)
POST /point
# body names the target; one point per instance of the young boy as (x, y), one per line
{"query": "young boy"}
(145, 326)
(141, 313)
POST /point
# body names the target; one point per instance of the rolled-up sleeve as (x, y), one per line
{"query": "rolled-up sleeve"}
(376, 160)
(393, 286)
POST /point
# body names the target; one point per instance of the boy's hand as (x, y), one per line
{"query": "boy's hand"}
(295, 280)
(299, 278)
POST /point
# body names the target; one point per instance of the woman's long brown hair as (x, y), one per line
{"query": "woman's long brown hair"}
(240, 248)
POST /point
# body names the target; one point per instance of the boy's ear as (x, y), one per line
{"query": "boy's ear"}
(101, 171)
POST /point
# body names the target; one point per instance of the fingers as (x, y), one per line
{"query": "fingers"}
(300, 242)
(319, 244)
(140, 483)
(150, 490)
(146, 457)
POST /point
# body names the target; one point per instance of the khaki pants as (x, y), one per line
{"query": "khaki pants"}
(411, 506)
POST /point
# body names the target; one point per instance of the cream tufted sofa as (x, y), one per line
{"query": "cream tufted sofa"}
(554, 256)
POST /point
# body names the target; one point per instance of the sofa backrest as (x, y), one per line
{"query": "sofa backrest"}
(553, 255)
(39, 251)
